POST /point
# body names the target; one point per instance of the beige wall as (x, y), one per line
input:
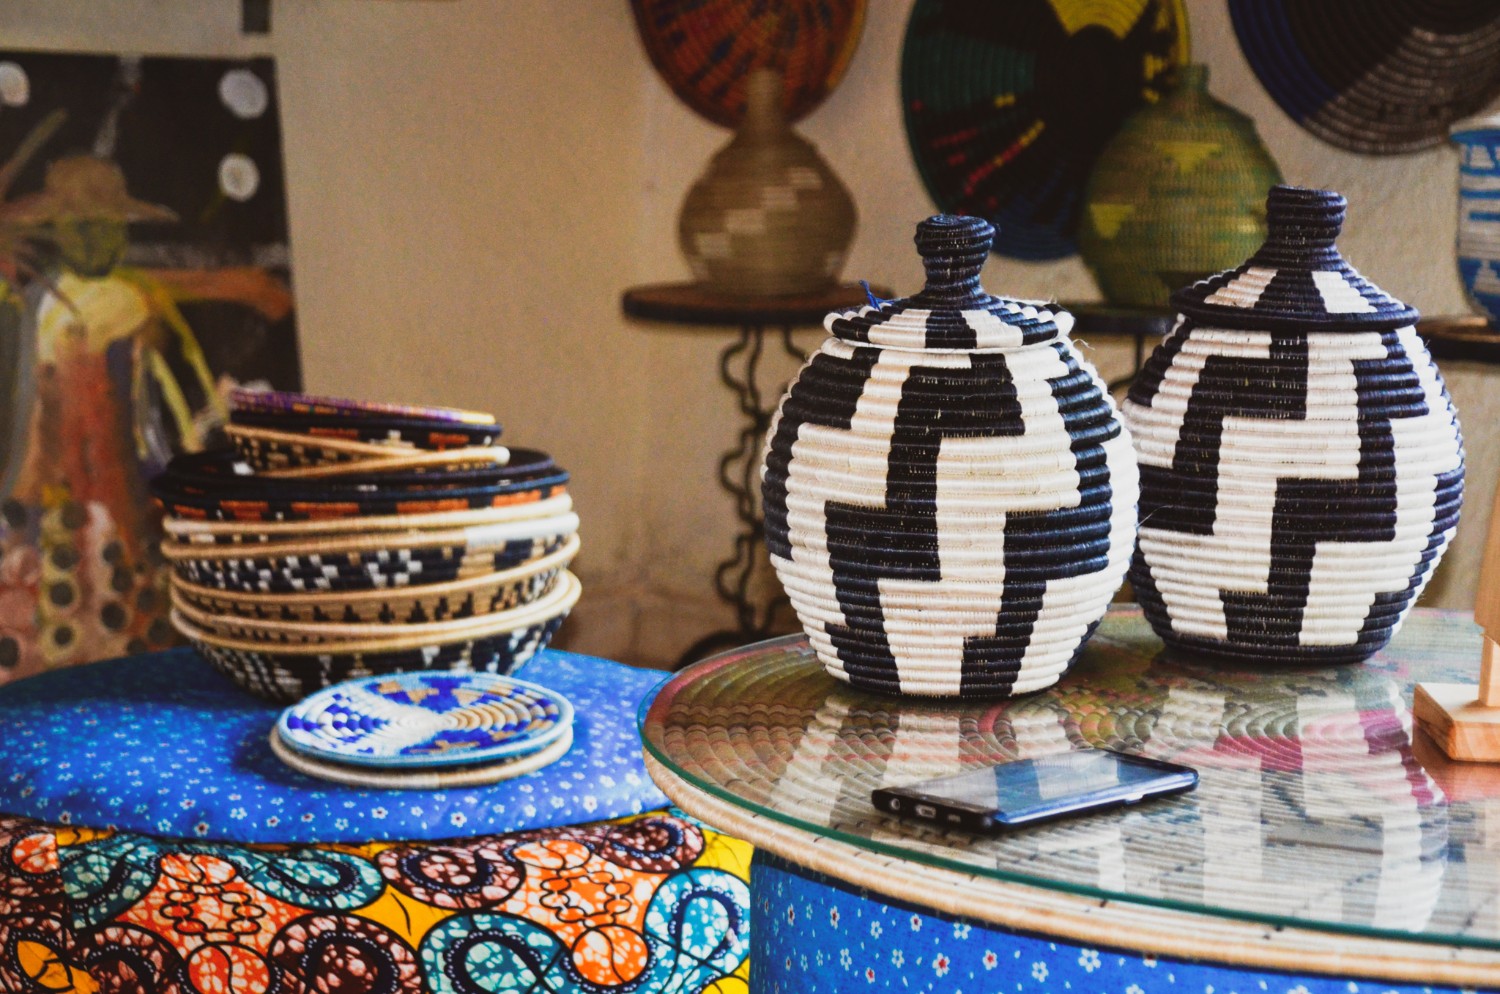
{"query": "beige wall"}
(473, 184)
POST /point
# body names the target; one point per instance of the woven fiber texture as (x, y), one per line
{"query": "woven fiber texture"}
(405, 604)
(1008, 105)
(1301, 462)
(289, 669)
(1479, 211)
(949, 497)
(425, 720)
(1178, 194)
(1373, 76)
(350, 538)
(706, 50)
(768, 217)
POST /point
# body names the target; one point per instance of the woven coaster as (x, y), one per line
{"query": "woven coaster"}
(425, 720)
(424, 779)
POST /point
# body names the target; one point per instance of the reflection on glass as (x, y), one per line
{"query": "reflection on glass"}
(1310, 805)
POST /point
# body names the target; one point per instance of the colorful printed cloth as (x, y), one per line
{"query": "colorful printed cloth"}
(163, 744)
(654, 904)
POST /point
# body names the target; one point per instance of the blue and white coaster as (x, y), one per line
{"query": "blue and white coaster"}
(425, 720)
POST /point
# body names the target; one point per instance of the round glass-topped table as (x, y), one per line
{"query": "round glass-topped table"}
(1322, 848)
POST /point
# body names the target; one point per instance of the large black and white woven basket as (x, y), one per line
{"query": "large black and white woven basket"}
(949, 497)
(1301, 462)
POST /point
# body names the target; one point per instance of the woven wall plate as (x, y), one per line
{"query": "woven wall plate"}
(230, 532)
(288, 454)
(705, 50)
(207, 487)
(438, 465)
(463, 776)
(1373, 76)
(222, 471)
(333, 636)
(1007, 105)
(426, 720)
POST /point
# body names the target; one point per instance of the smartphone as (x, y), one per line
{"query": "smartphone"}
(1028, 791)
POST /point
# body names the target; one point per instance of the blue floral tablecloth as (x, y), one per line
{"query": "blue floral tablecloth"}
(162, 744)
(814, 935)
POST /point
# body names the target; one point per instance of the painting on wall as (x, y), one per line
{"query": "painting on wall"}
(144, 272)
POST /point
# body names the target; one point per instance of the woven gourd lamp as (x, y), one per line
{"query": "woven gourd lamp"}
(1177, 194)
(1301, 463)
(768, 217)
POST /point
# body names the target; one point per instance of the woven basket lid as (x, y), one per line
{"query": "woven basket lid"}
(1297, 279)
(1373, 76)
(953, 312)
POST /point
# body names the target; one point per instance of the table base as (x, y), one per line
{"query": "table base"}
(813, 934)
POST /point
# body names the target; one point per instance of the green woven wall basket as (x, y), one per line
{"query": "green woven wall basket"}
(1178, 194)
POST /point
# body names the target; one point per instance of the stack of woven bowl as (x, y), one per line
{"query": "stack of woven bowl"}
(347, 538)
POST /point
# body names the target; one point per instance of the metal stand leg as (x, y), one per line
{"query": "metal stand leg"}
(739, 476)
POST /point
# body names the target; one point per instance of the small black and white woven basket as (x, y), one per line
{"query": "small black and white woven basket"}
(949, 496)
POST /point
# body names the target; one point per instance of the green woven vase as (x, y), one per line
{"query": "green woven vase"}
(1178, 194)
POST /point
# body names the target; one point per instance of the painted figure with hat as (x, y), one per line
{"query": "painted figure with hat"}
(117, 382)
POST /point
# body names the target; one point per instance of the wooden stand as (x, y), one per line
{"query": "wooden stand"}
(1462, 719)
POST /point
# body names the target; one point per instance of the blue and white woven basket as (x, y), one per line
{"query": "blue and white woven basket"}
(949, 497)
(1478, 140)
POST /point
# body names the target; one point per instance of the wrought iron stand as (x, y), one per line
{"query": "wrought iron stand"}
(756, 319)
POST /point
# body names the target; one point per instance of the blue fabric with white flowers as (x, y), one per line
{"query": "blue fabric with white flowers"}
(817, 936)
(164, 745)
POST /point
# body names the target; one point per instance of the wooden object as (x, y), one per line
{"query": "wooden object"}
(695, 304)
(1464, 336)
(1462, 719)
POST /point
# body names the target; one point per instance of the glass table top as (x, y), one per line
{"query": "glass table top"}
(1315, 807)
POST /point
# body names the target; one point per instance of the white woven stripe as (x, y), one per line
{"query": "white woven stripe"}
(807, 528)
(1244, 290)
(1161, 422)
(990, 332)
(1339, 297)
(1338, 565)
(959, 458)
